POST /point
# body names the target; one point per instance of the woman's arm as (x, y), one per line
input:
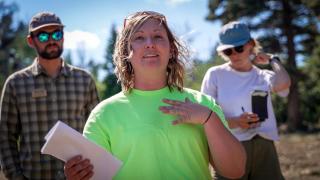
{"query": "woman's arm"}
(226, 151)
(281, 78)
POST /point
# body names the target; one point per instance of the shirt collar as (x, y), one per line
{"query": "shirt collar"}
(37, 69)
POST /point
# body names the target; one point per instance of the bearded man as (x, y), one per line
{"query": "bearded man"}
(35, 98)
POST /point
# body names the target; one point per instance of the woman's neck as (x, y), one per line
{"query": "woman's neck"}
(148, 83)
(245, 67)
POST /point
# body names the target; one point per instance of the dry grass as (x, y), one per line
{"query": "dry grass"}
(299, 156)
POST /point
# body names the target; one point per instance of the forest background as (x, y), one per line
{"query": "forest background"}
(289, 28)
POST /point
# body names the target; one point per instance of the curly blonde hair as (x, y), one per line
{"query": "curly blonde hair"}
(123, 52)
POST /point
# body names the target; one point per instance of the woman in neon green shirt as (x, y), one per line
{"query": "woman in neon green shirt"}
(158, 129)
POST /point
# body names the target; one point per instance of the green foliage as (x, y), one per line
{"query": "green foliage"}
(14, 51)
(196, 73)
(23, 52)
(280, 108)
(109, 66)
(67, 58)
(94, 68)
(310, 87)
(274, 20)
(110, 81)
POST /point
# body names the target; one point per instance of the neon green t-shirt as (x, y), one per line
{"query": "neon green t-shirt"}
(133, 129)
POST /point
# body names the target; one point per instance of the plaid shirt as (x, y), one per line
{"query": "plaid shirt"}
(31, 103)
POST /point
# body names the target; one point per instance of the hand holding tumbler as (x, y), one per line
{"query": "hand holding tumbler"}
(259, 104)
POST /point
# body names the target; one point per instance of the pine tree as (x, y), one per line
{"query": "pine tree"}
(14, 51)
(110, 81)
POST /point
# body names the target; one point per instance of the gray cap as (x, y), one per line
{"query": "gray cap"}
(44, 19)
(233, 34)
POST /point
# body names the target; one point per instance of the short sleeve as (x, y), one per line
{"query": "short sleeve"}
(95, 131)
(218, 110)
(211, 103)
(209, 84)
(271, 77)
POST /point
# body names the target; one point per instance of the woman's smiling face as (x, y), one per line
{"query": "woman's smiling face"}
(150, 48)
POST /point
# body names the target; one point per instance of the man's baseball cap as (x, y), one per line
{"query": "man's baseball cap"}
(233, 34)
(44, 19)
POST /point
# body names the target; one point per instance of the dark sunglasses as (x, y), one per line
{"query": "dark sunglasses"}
(151, 13)
(45, 36)
(238, 49)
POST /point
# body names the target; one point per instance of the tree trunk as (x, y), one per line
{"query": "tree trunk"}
(294, 120)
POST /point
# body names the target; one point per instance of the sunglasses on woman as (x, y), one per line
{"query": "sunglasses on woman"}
(238, 49)
(45, 36)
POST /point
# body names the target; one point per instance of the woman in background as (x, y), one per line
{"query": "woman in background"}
(232, 85)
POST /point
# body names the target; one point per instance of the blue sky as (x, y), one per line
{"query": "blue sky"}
(88, 23)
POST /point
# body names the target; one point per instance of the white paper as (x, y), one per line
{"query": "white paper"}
(63, 142)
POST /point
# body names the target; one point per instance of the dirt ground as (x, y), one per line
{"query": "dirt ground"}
(299, 156)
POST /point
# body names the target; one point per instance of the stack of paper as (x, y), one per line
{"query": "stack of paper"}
(64, 143)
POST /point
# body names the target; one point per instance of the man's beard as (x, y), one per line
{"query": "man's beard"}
(45, 54)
